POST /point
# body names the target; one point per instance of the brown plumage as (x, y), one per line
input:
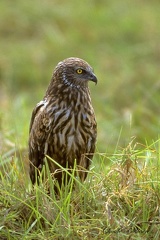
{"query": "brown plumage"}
(63, 124)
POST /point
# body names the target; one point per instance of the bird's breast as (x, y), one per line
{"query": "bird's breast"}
(72, 131)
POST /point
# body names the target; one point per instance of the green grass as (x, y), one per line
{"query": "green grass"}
(120, 39)
(119, 201)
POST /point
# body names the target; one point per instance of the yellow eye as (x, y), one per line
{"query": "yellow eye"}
(79, 71)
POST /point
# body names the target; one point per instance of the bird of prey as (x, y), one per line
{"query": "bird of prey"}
(63, 124)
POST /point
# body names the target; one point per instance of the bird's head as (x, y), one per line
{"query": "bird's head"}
(74, 72)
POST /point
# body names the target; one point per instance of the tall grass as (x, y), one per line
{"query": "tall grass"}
(117, 202)
(119, 39)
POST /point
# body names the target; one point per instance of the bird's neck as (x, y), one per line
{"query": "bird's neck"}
(68, 94)
(61, 89)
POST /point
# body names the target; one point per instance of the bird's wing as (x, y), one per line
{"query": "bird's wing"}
(38, 133)
(34, 113)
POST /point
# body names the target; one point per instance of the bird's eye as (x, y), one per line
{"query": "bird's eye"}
(79, 71)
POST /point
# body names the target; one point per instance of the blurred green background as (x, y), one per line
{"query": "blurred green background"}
(120, 39)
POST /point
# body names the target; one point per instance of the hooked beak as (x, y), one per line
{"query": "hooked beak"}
(93, 78)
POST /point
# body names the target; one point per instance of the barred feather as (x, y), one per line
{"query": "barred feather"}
(63, 124)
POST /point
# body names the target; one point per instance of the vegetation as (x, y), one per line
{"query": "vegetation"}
(115, 202)
(120, 39)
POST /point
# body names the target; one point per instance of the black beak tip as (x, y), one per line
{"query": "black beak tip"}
(94, 79)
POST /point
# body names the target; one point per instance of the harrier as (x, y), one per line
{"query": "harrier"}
(63, 124)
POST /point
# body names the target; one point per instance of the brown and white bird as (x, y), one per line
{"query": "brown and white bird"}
(63, 124)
